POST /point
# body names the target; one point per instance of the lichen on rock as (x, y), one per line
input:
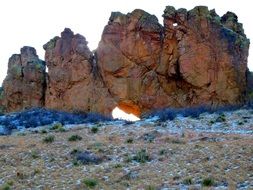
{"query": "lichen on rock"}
(24, 85)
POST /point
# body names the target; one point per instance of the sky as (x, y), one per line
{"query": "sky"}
(35, 22)
(120, 114)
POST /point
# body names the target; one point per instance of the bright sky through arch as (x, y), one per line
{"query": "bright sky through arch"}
(33, 23)
(120, 114)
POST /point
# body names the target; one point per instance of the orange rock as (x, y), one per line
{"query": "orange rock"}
(127, 54)
(73, 79)
(192, 60)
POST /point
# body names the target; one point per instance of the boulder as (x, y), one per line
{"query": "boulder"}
(25, 83)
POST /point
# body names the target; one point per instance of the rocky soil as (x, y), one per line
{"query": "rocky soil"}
(214, 151)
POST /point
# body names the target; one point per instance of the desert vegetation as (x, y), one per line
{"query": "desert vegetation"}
(32, 118)
(212, 150)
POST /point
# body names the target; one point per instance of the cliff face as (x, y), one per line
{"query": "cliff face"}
(196, 58)
(73, 80)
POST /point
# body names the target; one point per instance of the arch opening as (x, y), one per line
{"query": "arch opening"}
(120, 114)
(175, 24)
(126, 111)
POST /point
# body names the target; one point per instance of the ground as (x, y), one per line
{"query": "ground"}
(187, 153)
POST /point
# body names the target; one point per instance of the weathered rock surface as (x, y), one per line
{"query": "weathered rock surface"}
(73, 80)
(128, 55)
(211, 54)
(250, 87)
(196, 58)
(24, 85)
(2, 106)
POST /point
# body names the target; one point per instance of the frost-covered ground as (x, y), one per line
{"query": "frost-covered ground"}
(36, 117)
(236, 122)
(183, 153)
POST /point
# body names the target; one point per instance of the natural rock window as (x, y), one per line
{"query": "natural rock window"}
(120, 114)
(175, 24)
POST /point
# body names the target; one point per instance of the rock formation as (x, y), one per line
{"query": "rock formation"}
(24, 85)
(249, 79)
(2, 106)
(196, 57)
(73, 80)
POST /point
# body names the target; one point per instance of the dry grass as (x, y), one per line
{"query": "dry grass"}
(30, 163)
